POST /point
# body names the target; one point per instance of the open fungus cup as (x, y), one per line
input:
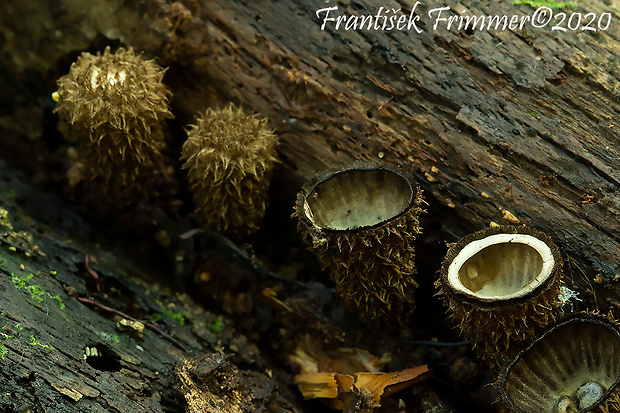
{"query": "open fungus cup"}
(361, 222)
(500, 285)
(573, 367)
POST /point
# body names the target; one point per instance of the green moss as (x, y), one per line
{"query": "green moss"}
(35, 342)
(165, 312)
(57, 298)
(111, 337)
(179, 318)
(20, 283)
(37, 292)
(218, 325)
(5, 335)
(541, 3)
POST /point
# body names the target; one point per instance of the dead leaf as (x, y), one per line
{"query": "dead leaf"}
(329, 385)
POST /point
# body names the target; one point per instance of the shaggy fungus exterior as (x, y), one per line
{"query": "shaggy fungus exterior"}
(113, 107)
(229, 156)
(573, 367)
(501, 284)
(362, 222)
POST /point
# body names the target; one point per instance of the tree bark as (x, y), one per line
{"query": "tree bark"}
(504, 126)
(500, 126)
(52, 316)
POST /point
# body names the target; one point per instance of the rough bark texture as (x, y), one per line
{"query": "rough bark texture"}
(489, 121)
(500, 126)
(527, 118)
(45, 331)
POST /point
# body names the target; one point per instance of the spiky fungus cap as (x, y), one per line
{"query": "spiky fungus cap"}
(361, 222)
(113, 107)
(500, 285)
(229, 157)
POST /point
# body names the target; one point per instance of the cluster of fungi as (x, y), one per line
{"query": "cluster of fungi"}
(502, 285)
(113, 107)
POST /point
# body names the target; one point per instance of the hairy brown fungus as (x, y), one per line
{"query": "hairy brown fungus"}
(361, 222)
(501, 284)
(573, 367)
(113, 107)
(229, 156)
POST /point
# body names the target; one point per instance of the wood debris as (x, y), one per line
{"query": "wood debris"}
(362, 385)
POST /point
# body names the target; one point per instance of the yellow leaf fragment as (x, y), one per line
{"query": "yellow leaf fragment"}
(317, 385)
(331, 385)
(378, 382)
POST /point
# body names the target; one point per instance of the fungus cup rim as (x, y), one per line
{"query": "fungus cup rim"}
(308, 189)
(479, 245)
(595, 318)
(492, 302)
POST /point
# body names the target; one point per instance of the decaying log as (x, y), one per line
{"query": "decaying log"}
(513, 126)
(498, 126)
(505, 126)
(62, 344)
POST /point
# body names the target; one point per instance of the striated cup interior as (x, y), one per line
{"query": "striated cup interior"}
(501, 267)
(355, 198)
(572, 368)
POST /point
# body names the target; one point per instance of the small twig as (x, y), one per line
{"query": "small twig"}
(191, 233)
(432, 343)
(95, 275)
(260, 269)
(149, 325)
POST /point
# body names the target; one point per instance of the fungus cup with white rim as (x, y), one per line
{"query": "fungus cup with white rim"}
(573, 367)
(361, 222)
(501, 284)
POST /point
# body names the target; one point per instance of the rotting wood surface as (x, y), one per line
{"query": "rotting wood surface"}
(524, 122)
(497, 126)
(47, 335)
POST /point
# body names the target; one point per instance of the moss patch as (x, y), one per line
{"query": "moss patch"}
(551, 4)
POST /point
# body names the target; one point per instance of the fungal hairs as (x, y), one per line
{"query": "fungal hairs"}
(566, 295)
